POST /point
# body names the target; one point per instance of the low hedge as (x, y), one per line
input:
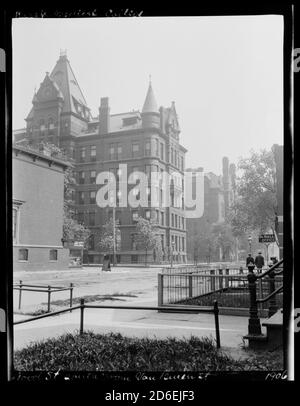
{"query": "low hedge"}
(114, 352)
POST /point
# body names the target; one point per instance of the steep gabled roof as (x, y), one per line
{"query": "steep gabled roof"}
(65, 79)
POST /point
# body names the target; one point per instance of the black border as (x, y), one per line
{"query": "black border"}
(6, 103)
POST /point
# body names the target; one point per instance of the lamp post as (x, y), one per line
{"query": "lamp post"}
(250, 241)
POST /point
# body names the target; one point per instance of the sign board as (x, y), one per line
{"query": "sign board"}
(78, 244)
(266, 238)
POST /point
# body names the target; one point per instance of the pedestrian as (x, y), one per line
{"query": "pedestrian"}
(106, 263)
(249, 260)
(259, 262)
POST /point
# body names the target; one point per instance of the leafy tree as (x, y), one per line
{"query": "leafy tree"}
(146, 236)
(106, 238)
(224, 239)
(255, 207)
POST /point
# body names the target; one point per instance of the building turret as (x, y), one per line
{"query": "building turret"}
(150, 114)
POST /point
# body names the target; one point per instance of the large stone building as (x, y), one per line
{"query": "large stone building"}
(219, 193)
(38, 189)
(146, 141)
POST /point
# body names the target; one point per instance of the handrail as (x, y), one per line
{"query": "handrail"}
(83, 306)
(270, 269)
(278, 290)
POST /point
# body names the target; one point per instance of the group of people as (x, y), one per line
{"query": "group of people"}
(259, 261)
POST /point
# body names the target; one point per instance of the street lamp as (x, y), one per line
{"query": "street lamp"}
(250, 241)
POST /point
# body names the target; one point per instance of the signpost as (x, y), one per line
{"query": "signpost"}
(267, 239)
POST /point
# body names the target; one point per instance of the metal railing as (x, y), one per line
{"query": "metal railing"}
(42, 288)
(230, 290)
(83, 306)
(200, 269)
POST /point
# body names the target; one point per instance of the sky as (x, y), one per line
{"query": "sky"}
(225, 74)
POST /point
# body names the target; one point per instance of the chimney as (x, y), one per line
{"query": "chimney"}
(104, 117)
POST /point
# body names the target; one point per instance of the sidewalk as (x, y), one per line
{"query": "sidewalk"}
(133, 323)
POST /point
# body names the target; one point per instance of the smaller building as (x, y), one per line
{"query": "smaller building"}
(38, 198)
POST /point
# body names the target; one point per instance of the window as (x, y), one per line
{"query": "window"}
(129, 121)
(148, 214)
(42, 125)
(53, 255)
(148, 172)
(156, 147)
(172, 220)
(135, 150)
(119, 151)
(80, 217)
(135, 215)
(172, 155)
(23, 254)
(183, 244)
(162, 218)
(81, 176)
(182, 222)
(92, 217)
(82, 154)
(147, 148)
(162, 151)
(93, 177)
(93, 153)
(111, 151)
(92, 197)
(80, 197)
(50, 126)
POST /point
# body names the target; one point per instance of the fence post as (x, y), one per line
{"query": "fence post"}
(20, 295)
(49, 297)
(273, 305)
(81, 315)
(190, 286)
(71, 295)
(216, 313)
(220, 279)
(160, 289)
(254, 327)
(227, 279)
(212, 280)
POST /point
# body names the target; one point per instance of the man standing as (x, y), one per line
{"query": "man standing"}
(249, 259)
(259, 262)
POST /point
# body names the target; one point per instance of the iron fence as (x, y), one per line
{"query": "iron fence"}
(49, 289)
(230, 290)
(214, 309)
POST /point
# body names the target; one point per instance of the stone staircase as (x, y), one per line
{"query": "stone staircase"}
(273, 337)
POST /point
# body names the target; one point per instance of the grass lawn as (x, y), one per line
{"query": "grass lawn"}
(113, 352)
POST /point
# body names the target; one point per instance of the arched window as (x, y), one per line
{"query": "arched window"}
(50, 126)
(42, 126)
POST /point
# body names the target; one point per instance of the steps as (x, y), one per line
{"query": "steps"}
(274, 329)
(273, 338)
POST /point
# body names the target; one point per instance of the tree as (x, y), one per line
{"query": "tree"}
(224, 239)
(255, 207)
(146, 236)
(106, 238)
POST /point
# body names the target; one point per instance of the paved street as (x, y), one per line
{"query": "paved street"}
(140, 282)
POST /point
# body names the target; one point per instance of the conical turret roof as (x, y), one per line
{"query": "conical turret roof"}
(150, 105)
